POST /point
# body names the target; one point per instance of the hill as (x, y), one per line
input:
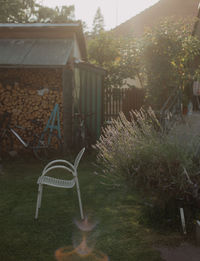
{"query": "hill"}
(151, 16)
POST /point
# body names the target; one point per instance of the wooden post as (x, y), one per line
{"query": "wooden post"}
(67, 107)
(183, 220)
(198, 232)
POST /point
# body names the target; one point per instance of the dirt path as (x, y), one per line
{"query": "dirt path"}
(185, 252)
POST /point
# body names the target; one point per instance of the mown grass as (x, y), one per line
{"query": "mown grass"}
(116, 210)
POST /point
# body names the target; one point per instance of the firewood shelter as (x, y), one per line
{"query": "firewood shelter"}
(45, 64)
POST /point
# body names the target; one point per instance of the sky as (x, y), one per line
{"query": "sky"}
(114, 12)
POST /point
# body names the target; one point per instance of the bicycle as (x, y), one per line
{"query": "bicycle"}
(82, 136)
(51, 140)
(40, 145)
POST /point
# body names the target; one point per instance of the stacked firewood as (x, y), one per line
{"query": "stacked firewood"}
(32, 78)
(28, 104)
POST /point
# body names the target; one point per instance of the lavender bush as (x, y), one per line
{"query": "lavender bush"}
(139, 151)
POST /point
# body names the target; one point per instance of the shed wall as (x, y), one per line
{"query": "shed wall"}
(88, 98)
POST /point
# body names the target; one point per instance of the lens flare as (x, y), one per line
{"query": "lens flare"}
(83, 249)
(81, 252)
(85, 225)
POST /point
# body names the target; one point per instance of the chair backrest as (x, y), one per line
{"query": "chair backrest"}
(53, 164)
(57, 167)
(78, 158)
(64, 164)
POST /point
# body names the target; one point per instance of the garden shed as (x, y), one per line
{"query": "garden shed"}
(46, 64)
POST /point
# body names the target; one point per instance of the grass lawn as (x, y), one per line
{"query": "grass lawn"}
(117, 233)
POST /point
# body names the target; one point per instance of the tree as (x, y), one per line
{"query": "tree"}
(130, 59)
(104, 51)
(64, 14)
(27, 11)
(168, 54)
(16, 11)
(98, 23)
(45, 14)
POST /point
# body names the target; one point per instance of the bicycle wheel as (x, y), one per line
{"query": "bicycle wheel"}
(40, 148)
(6, 145)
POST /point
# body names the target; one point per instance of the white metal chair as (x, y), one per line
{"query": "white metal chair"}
(60, 183)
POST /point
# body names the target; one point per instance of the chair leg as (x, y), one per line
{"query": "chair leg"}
(38, 204)
(79, 199)
(40, 201)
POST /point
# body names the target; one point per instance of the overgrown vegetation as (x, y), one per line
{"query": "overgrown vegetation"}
(150, 160)
(162, 59)
(169, 52)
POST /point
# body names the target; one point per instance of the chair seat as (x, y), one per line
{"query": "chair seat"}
(56, 182)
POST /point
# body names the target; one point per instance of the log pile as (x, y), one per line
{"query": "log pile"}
(28, 102)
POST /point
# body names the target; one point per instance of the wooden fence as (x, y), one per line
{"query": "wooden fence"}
(125, 100)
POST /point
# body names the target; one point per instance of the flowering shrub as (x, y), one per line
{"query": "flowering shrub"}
(140, 152)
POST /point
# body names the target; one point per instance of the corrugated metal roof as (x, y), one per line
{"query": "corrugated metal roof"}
(35, 52)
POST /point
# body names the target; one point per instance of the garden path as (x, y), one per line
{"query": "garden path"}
(185, 252)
